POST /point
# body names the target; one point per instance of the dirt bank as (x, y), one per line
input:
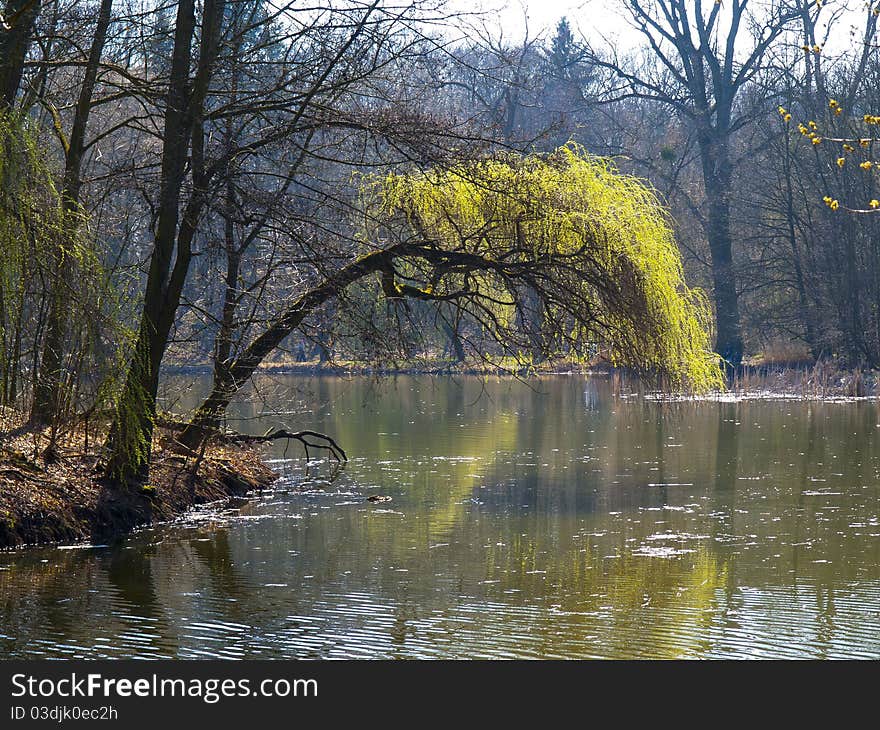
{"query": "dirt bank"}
(65, 499)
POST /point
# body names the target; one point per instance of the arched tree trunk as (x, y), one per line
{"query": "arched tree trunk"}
(230, 378)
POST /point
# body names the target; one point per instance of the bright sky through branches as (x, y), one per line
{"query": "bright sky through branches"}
(598, 19)
(513, 18)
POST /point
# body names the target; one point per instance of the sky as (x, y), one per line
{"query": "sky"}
(596, 19)
(513, 18)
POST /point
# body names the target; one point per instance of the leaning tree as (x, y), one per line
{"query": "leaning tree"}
(488, 237)
(608, 278)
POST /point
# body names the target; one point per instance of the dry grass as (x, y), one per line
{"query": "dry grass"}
(822, 379)
(783, 354)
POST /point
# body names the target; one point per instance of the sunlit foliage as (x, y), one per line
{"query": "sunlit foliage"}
(853, 152)
(593, 245)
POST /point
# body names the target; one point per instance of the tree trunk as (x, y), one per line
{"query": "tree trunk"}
(21, 15)
(229, 379)
(130, 439)
(5, 362)
(854, 326)
(453, 341)
(223, 342)
(717, 175)
(800, 281)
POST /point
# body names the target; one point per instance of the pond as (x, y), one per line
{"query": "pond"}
(545, 518)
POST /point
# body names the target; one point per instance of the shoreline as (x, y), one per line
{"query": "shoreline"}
(822, 380)
(67, 501)
(355, 368)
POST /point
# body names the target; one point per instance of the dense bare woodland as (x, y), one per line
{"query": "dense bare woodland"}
(235, 183)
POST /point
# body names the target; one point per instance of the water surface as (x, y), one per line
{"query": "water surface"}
(536, 519)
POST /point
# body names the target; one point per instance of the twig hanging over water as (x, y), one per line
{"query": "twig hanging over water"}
(309, 440)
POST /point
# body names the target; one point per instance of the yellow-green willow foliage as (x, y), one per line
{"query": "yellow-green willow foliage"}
(594, 244)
